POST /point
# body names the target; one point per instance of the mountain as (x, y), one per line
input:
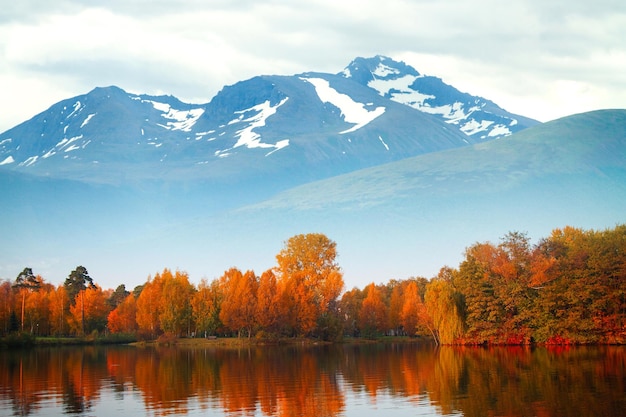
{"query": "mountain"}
(477, 117)
(287, 130)
(395, 220)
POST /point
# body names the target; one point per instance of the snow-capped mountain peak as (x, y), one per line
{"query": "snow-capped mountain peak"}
(474, 116)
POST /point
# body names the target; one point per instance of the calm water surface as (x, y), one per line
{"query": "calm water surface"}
(372, 380)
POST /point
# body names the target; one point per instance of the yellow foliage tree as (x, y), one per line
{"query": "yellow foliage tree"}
(206, 304)
(175, 311)
(443, 316)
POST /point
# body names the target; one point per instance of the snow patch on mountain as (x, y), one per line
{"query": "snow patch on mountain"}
(64, 145)
(29, 161)
(179, 119)
(383, 142)
(202, 135)
(247, 136)
(87, 119)
(501, 130)
(73, 146)
(398, 90)
(8, 160)
(453, 113)
(77, 108)
(279, 145)
(352, 111)
(472, 127)
(383, 71)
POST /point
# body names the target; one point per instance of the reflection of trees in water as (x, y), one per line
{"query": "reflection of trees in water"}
(520, 381)
(83, 371)
(73, 402)
(31, 376)
(315, 381)
(18, 386)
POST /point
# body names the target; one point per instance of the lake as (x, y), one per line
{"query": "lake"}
(339, 380)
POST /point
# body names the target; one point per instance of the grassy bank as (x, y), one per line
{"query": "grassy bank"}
(233, 342)
(224, 342)
(27, 340)
(87, 340)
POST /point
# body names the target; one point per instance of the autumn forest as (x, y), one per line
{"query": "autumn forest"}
(569, 288)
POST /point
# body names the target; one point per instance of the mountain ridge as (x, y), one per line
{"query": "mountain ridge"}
(310, 125)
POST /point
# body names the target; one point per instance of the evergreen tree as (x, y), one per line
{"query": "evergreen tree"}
(26, 281)
(77, 281)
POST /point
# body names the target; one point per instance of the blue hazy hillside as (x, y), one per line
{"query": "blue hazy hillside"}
(421, 212)
(394, 220)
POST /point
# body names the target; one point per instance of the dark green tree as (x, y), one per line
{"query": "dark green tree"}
(77, 281)
(137, 290)
(14, 326)
(26, 281)
(118, 296)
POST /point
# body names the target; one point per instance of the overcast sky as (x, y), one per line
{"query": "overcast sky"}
(539, 58)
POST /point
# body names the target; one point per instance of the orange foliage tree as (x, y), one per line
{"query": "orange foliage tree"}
(311, 278)
(6, 307)
(373, 313)
(239, 303)
(396, 303)
(37, 309)
(350, 306)
(268, 304)
(149, 307)
(26, 282)
(123, 319)
(89, 311)
(409, 314)
(496, 283)
(58, 304)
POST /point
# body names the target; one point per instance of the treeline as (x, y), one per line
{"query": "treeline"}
(568, 288)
